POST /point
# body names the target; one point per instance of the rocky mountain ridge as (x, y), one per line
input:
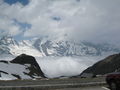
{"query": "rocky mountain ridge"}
(22, 67)
(108, 65)
(44, 47)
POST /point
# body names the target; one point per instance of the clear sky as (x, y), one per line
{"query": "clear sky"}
(24, 2)
(89, 20)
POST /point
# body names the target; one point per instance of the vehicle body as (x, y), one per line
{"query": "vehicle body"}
(113, 80)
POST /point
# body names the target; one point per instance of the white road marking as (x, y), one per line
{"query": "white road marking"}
(105, 88)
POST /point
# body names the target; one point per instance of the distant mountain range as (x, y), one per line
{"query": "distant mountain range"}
(45, 47)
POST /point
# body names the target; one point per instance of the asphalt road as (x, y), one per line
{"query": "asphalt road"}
(55, 84)
(88, 88)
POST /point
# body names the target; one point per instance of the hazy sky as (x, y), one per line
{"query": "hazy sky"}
(90, 20)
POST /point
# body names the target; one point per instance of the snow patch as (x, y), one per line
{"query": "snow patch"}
(16, 69)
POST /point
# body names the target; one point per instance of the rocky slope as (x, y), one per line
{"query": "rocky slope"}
(22, 67)
(46, 47)
(108, 65)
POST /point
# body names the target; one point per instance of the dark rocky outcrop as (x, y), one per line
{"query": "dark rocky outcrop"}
(2, 61)
(26, 59)
(108, 65)
(29, 64)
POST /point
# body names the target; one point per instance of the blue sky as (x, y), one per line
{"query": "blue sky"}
(24, 2)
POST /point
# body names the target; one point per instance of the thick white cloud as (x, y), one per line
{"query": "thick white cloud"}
(66, 66)
(8, 26)
(92, 20)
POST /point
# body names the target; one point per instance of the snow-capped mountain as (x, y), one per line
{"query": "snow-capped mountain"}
(10, 46)
(46, 47)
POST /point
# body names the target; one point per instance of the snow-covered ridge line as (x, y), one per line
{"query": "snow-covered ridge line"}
(44, 47)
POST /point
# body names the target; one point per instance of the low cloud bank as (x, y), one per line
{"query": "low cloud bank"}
(64, 66)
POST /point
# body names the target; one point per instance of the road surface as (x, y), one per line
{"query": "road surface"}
(55, 84)
(88, 88)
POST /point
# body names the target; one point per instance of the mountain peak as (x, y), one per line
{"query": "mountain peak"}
(46, 47)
